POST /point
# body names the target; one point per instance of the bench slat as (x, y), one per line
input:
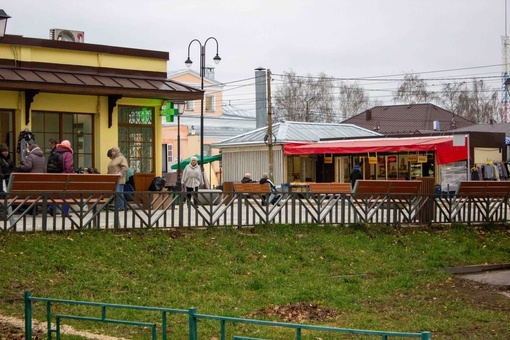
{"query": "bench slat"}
(495, 188)
(364, 186)
(333, 188)
(252, 188)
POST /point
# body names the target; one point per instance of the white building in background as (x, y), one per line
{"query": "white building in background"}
(249, 152)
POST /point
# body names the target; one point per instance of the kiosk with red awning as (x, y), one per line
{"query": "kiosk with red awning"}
(443, 147)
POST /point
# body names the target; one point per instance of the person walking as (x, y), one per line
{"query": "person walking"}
(355, 175)
(192, 177)
(7, 166)
(65, 150)
(118, 166)
(35, 162)
(54, 164)
(62, 161)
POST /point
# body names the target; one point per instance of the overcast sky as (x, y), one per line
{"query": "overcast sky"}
(341, 38)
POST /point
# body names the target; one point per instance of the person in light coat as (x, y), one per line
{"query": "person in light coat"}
(119, 166)
(192, 176)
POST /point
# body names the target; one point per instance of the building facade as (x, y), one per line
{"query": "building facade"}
(221, 121)
(95, 96)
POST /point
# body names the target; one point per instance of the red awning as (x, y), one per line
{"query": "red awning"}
(442, 146)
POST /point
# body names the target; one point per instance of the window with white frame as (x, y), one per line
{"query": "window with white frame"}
(190, 105)
(209, 102)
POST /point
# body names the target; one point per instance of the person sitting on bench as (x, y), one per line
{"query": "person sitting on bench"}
(263, 180)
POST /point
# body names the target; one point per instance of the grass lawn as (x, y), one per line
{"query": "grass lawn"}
(379, 278)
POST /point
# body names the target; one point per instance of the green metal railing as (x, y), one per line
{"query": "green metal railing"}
(193, 321)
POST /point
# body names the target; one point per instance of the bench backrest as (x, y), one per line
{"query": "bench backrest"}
(333, 188)
(489, 188)
(364, 186)
(60, 183)
(252, 188)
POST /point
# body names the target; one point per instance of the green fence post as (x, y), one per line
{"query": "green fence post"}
(426, 336)
(192, 324)
(163, 324)
(28, 315)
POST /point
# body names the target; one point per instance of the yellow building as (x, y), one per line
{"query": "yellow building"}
(95, 96)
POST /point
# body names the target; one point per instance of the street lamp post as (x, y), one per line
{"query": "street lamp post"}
(188, 63)
(3, 22)
(180, 110)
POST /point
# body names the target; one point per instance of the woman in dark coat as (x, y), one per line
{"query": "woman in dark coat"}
(6, 164)
(355, 175)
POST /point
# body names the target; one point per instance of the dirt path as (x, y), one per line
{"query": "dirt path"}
(14, 328)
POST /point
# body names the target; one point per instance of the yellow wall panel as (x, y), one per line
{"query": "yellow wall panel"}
(82, 58)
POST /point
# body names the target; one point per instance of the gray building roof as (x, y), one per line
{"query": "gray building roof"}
(496, 127)
(229, 110)
(287, 132)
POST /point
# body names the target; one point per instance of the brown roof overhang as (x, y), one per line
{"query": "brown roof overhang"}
(95, 84)
(34, 81)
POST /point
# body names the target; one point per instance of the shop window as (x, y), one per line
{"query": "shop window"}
(77, 128)
(136, 137)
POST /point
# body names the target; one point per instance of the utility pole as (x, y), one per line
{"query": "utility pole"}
(269, 125)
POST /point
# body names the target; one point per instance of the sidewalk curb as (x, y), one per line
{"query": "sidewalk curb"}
(478, 268)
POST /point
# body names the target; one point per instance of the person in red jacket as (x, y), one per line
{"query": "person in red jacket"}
(65, 150)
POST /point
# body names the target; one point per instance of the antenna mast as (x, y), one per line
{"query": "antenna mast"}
(505, 100)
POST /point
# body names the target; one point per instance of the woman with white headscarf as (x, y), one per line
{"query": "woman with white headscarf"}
(192, 176)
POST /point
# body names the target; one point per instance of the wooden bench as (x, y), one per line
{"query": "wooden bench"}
(89, 189)
(483, 188)
(326, 193)
(252, 188)
(330, 188)
(483, 199)
(248, 190)
(370, 187)
(372, 197)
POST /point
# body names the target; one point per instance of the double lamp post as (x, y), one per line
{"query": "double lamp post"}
(188, 63)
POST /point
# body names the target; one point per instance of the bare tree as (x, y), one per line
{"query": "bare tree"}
(304, 99)
(479, 104)
(413, 90)
(353, 99)
(450, 95)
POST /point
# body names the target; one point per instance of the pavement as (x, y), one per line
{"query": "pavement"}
(495, 274)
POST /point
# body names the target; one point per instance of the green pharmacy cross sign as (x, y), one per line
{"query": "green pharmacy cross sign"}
(145, 115)
(169, 112)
